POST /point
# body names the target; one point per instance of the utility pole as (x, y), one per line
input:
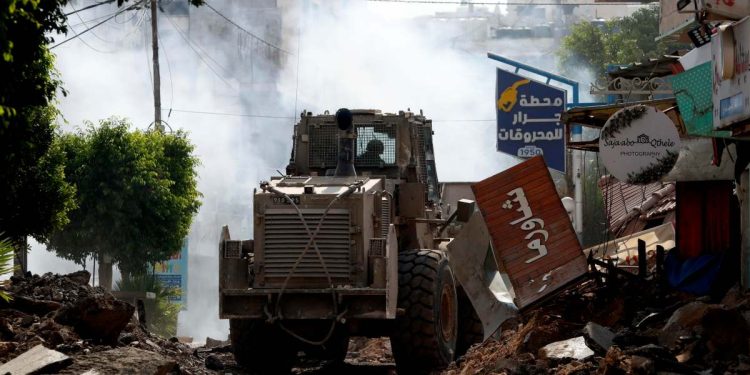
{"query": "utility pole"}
(157, 80)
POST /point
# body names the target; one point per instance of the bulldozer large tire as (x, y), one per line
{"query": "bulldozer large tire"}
(470, 329)
(425, 336)
(261, 348)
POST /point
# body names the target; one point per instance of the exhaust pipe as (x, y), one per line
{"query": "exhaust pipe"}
(345, 164)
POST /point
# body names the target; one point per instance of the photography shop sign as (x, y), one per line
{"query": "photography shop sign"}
(639, 144)
(528, 119)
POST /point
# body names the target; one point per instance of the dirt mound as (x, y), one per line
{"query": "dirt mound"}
(86, 324)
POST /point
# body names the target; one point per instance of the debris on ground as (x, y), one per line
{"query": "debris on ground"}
(370, 350)
(61, 324)
(634, 328)
(62, 319)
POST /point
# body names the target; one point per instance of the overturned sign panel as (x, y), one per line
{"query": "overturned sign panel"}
(532, 235)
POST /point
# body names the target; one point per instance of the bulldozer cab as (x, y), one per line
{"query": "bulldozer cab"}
(394, 146)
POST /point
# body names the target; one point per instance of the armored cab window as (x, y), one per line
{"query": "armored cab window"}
(376, 146)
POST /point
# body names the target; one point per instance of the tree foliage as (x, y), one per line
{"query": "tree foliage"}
(28, 78)
(619, 41)
(136, 194)
(34, 197)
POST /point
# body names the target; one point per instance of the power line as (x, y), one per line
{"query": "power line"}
(200, 56)
(269, 44)
(455, 120)
(510, 3)
(290, 117)
(96, 25)
(89, 7)
(230, 114)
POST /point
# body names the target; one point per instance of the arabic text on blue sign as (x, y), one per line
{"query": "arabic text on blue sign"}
(528, 119)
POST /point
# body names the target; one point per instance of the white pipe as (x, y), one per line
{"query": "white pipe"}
(577, 174)
(744, 193)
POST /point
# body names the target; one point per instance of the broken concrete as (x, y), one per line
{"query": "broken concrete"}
(598, 338)
(35, 360)
(684, 323)
(125, 360)
(726, 333)
(574, 349)
(214, 343)
(100, 317)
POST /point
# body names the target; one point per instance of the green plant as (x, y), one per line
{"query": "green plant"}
(161, 312)
(6, 265)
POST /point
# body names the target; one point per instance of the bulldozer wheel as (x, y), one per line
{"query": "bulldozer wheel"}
(470, 329)
(261, 348)
(425, 335)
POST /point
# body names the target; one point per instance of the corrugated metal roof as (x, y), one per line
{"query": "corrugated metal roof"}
(641, 202)
(649, 68)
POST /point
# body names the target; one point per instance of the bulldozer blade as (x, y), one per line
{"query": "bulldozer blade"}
(473, 262)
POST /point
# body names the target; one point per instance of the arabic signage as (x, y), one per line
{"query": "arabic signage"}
(528, 119)
(173, 273)
(639, 144)
(730, 60)
(532, 236)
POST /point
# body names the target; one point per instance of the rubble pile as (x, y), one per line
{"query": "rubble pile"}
(633, 328)
(370, 350)
(58, 323)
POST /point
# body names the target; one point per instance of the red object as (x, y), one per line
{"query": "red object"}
(707, 218)
(532, 236)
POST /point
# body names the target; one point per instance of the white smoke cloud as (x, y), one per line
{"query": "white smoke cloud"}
(351, 54)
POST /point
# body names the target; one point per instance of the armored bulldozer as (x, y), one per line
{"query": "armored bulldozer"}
(353, 241)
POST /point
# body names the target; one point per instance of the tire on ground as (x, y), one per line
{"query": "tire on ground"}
(425, 336)
(470, 329)
(260, 347)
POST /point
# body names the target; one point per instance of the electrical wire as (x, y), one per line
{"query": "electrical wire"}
(200, 56)
(86, 43)
(282, 117)
(171, 81)
(230, 114)
(296, 89)
(269, 44)
(94, 19)
(96, 25)
(509, 3)
(75, 11)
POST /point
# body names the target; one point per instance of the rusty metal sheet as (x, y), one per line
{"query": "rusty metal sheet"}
(473, 263)
(532, 236)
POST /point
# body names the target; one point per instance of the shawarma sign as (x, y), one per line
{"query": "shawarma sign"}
(639, 144)
(532, 236)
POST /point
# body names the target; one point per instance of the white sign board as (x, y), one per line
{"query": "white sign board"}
(639, 144)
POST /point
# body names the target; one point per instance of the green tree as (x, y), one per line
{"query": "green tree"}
(619, 41)
(161, 313)
(34, 197)
(136, 196)
(6, 265)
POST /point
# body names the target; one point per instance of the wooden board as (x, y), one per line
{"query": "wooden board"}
(532, 236)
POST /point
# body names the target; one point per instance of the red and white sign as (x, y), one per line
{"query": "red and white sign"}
(532, 236)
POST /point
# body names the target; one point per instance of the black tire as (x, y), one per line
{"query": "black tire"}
(425, 335)
(470, 329)
(261, 348)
